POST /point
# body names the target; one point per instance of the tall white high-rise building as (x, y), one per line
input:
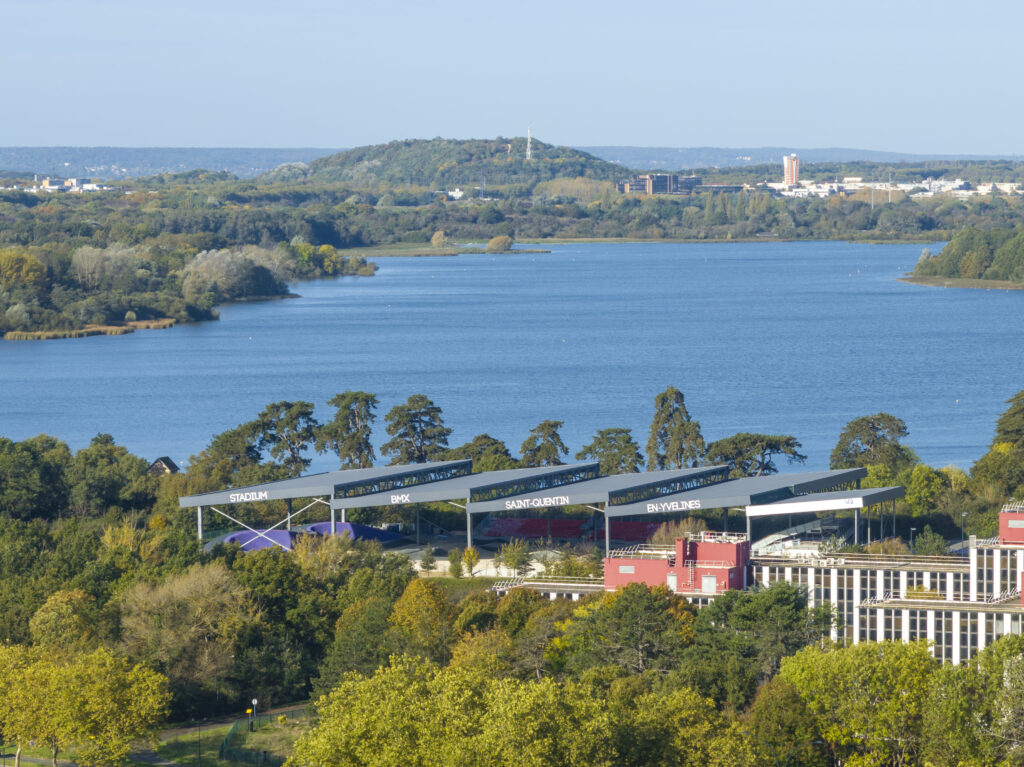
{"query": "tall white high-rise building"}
(791, 170)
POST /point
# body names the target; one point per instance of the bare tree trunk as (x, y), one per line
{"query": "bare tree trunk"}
(17, 756)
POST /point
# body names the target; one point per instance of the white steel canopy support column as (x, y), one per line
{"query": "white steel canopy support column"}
(607, 529)
(469, 523)
(199, 521)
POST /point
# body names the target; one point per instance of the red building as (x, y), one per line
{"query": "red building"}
(701, 564)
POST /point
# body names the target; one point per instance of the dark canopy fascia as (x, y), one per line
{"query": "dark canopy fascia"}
(617, 488)
(326, 483)
(486, 485)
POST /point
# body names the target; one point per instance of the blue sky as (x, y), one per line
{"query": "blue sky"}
(930, 77)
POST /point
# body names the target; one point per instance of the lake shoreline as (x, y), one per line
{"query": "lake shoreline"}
(960, 282)
(419, 250)
(119, 329)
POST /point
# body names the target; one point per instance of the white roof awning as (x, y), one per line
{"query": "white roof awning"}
(833, 501)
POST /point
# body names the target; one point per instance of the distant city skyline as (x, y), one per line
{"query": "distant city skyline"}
(916, 77)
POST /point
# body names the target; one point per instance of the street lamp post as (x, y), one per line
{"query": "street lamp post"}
(912, 538)
(963, 516)
(252, 722)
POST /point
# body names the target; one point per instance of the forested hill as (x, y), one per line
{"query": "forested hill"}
(446, 163)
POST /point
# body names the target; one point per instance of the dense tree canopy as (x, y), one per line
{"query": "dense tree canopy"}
(615, 451)
(1010, 426)
(978, 253)
(417, 431)
(544, 446)
(98, 562)
(486, 452)
(753, 455)
(675, 440)
(348, 433)
(872, 440)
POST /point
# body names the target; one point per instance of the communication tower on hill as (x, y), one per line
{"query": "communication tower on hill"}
(529, 148)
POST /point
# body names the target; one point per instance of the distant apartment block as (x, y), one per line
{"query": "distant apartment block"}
(791, 170)
(659, 183)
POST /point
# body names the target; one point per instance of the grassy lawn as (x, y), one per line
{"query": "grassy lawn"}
(455, 589)
(184, 749)
(277, 739)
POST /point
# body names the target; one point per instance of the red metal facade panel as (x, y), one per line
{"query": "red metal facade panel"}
(1011, 527)
(651, 572)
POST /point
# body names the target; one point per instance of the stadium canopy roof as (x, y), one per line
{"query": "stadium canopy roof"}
(744, 491)
(617, 488)
(327, 483)
(475, 488)
(637, 494)
(446, 481)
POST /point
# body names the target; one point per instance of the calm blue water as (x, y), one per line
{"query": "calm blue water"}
(771, 337)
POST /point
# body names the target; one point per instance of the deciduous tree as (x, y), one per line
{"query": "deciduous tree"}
(636, 628)
(470, 558)
(66, 622)
(500, 244)
(866, 700)
(423, 622)
(357, 643)
(187, 626)
(32, 477)
(106, 476)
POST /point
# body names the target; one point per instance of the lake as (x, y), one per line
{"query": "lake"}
(791, 338)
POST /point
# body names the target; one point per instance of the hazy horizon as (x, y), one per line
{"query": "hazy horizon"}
(313, 73)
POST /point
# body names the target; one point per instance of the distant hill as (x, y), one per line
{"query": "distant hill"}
(445, 163)
(686, 158)
(111, 162)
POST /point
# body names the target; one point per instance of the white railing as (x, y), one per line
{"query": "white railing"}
(713, 537)
(885, 597)
(643, 551)
(568, 580)
(1002, 595)
(552, 582)
(1013, 506)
